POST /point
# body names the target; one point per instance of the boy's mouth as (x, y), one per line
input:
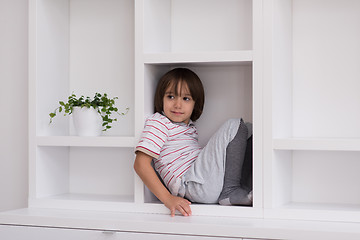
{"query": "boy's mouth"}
(176, 113)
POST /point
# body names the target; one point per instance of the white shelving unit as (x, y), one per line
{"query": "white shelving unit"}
(311, 136)
(123, 48)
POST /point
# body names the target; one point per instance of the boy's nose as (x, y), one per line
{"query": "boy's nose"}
(178, 102)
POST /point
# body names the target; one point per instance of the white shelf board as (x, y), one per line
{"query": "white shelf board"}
(75, 141)
(85, 202)
(116, 203)
(238, 57)
(324, 144)
(316, 212)
(93, 197)
(211, 210)
(239, 227)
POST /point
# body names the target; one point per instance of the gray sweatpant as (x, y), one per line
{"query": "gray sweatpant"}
(203, 182)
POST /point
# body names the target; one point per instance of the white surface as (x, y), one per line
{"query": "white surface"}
(48, 65)
(326, 56)
(216, 27)
(203, 226)
(76, 141)
(235, 57)
(185, 26)
(13, 104)
(311, 136)
(24, 233)
(316, 212)
(102, 54)
(329, 144)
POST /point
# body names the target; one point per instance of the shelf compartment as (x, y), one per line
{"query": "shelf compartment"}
(82, 47)
(183, 26)
(228, 85)
(67, 173)
(327, 144)
(313, 95)
(75, 141)
(304, 180)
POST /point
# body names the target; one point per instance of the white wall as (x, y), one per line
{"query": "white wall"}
(13, 104)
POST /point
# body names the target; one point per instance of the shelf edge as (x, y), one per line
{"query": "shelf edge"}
(325, 144)
(74, 141)
(199, 57)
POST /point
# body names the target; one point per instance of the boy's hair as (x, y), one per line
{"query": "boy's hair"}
(173, 78)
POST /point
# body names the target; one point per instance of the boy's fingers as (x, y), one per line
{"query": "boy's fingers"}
(188, 210)
(185, 209)
(172, 212)
(181, 210)
(181, 205)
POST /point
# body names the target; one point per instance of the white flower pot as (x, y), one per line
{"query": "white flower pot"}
(87, 121)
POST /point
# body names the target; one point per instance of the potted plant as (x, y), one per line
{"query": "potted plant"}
(91, 116)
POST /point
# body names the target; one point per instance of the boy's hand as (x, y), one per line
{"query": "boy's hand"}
(146, 172)
(177, 203)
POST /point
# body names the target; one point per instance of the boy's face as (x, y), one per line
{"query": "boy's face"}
(178, 107)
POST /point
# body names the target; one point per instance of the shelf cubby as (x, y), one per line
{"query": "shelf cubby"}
(65, 175)
(187, 26)
(312, 91)
(225, 84)
(318, 184)
(81, 47)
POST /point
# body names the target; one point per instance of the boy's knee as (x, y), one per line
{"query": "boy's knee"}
(232, 123)
(235, 123)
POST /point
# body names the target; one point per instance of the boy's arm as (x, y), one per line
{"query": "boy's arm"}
(147, 174)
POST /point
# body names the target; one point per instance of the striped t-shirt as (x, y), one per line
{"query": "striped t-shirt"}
(174, 147)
